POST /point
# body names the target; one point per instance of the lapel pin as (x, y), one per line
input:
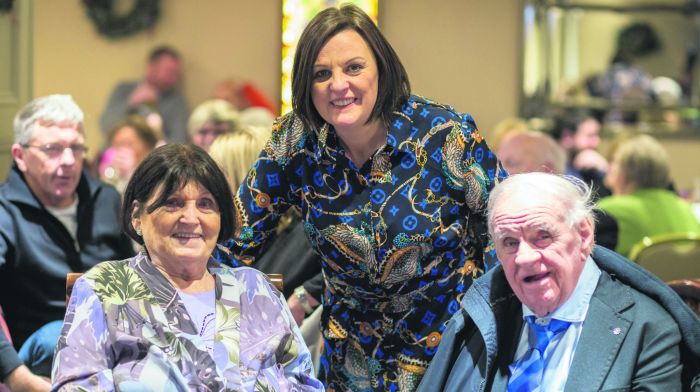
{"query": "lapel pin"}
(616, 331)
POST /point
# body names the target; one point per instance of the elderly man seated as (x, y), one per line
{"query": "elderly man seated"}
(558, 313)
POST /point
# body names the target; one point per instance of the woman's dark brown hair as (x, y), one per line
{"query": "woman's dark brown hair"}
(394, 87)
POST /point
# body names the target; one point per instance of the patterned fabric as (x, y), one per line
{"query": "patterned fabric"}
(127, 329)
(400, 238)
(526, 373)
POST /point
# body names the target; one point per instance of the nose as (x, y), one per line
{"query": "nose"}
(189, 214)
(67, 157)
(339, 81)
(526, 253)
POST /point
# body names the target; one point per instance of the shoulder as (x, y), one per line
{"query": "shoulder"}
(426, 114)
(107, 268)
(288, 137)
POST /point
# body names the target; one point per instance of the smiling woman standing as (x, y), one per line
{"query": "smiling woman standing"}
(171, 318)
(392, 188)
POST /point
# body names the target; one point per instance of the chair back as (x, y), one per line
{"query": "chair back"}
(276, 279)
(689, 290)
(669, 256)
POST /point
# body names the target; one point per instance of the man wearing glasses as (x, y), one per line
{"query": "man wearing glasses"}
(54, 219)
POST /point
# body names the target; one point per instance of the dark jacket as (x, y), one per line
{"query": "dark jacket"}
(480, 340)
(36, 250)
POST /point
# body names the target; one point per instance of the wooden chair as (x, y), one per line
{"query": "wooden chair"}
(276, 279)
(669, 256)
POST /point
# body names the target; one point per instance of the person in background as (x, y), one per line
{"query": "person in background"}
(129, 143)
(578, 132)
(13, 373)
(641, 202)
(211, 119)
(560, 314)
(525, 152)
(392, 190)
(505, 128)
(54, 219)
(171, 318)
(158, 93)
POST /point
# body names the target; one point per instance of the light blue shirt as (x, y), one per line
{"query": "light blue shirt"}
(560, 351)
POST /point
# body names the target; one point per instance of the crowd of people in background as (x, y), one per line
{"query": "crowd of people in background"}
(415, 255)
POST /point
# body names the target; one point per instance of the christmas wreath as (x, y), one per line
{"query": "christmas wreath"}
(141, 16)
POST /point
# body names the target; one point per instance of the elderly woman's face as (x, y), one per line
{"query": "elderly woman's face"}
(185, 228)
(205, 135)
(345, 81)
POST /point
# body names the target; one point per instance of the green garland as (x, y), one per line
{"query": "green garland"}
(142, 16)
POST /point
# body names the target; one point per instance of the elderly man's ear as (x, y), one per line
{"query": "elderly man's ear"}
(585, 230)
(17, 154)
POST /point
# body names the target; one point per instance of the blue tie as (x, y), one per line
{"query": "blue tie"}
(526, 373)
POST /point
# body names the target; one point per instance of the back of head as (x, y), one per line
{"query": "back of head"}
(573, 195)
(213, 110)
(51, 109)
(643, 163)
(236, 152)
(532, 152)
(167, 169)
(393, 80)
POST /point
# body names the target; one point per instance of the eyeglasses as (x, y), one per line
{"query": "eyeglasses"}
(55, 150)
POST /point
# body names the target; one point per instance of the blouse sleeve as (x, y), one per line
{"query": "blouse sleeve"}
(263, 196)
(83, 359)
(273, 354)
(483, 172)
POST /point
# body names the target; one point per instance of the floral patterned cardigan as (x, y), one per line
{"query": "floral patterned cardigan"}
(127, 329)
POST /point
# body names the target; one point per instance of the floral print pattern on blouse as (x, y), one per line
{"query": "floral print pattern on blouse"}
(127, 329)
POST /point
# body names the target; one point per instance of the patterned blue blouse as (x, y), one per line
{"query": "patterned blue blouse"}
(400, 238)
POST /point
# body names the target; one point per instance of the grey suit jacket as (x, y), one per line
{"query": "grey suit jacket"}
(628, 342)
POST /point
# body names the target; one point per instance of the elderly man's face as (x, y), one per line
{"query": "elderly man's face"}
(52, 162)
(542, 256)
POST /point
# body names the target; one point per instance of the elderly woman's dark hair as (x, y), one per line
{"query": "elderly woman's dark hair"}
(174, 166)
(394, 86)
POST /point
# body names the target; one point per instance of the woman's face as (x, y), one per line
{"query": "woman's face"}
(184, 229)
(345, 81)
(205, 135)
(127, 137)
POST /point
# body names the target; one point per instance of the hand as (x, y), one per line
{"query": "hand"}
(124, 161)
(23, 380)
(143, 93)
(297, 309)
(590, 159)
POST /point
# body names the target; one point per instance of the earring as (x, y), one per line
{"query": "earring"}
(138, 232)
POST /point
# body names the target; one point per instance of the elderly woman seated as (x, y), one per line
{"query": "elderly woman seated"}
(171, 318)
(641, 204)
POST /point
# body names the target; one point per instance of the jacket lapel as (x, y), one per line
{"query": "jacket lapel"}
(604, 330)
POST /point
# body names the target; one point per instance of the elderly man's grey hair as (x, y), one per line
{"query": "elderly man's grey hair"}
(51, 109)
(573, 195)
